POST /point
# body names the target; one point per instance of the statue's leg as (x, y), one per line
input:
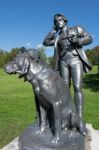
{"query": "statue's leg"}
(41, 116)
(57, 122)
(42, 121)
(65, 72)
(37, 104)
(77, 77)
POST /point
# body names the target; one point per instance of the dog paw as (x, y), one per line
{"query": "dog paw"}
(55, 140)
(40, 130)
(37, 131)
(72, 133)
(83, 129)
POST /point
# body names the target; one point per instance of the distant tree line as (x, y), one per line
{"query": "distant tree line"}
(6, 56)
(92, 54)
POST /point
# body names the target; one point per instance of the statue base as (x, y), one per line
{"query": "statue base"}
(31, 141)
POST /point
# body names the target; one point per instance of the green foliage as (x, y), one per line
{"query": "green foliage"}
(14, 52)
(51, 61)
(7, 56)
(93, 55)
(41, 52)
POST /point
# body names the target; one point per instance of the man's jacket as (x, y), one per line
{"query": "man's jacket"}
(83, 38)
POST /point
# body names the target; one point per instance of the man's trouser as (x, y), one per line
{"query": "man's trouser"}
(73, 68)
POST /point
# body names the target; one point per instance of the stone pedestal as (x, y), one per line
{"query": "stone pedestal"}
(91, 143)
(31, 141)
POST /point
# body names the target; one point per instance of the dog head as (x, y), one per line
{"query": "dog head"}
(20, 64)
(17, 64)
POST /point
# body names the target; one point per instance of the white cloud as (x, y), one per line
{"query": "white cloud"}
(45, 47)
(28, 44)
(39, 46)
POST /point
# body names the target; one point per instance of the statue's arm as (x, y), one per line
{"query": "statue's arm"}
(50, 38)
(84, 37)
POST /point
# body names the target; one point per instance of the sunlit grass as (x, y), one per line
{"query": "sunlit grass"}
(17, 108)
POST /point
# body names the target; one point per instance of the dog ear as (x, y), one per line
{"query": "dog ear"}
(25, 66)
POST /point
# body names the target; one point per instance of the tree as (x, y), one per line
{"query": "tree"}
(41, 52)
(14, 52)
(93, 55)
(7, 56)
(51, 61)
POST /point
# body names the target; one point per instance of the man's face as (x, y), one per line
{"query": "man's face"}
(59, 22)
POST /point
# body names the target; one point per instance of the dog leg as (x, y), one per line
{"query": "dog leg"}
(37, 109)
(57, 122)
(42, 121)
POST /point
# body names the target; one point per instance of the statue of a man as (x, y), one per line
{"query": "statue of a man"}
(70, 59)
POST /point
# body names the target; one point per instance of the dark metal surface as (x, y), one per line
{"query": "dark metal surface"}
(30, 141)
(58, 124)
(70, 58)
(53, 100)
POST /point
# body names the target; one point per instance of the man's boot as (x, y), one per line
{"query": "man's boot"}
(82, 125)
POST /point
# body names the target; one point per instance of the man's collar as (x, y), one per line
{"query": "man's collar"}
(63, 29)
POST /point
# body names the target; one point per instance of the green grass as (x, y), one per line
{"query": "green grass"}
(17, 107)
(91, 92)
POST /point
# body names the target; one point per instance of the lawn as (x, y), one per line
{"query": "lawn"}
(17, 107)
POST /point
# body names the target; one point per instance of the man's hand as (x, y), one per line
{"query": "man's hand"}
(54, 29)
(75, 40)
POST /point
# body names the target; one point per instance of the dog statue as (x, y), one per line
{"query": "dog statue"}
(53, 98)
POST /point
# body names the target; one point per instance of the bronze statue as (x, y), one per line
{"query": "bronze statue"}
(49, 94)
(55, 109)
(59, 123)
(70, 59)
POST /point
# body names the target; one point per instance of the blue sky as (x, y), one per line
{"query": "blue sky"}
(27, 22)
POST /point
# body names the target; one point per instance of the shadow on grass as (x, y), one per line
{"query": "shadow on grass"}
(91, 81)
